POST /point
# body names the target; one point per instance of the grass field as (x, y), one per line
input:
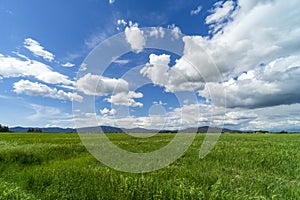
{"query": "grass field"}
(57, 166)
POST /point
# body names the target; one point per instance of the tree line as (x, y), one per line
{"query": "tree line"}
(34, 130)
(4, 128)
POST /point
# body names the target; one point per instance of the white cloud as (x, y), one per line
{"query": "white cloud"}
(121, 22)
(157, 32)
(185, 117)
(161, 103)
(38, 50)
(111, 1)
(126, 99)
(135, 37)
(68, 64)
(286, 117)
(171, 78)
(149, 122)
(275, 84)
(107, 112)
(250, 38)
(157, 69)
(196, 11)
(121, 62)
(254, 37)
(98, 85)
(38, 89)
(220, 12)
(194, 115)
(15, 67)
(176, 32)
(83, 67)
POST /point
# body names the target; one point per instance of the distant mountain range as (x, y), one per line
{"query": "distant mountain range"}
(110, 129)
(47, 130)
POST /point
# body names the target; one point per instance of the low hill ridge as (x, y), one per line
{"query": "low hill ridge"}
(111, 129)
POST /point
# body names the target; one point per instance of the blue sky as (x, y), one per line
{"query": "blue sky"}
(237, 64)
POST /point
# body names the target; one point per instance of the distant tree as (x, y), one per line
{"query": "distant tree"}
(36, 130)
(283, 132)
(30, 130)
(262, 131)
(4, 128)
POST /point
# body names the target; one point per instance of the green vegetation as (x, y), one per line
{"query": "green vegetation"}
(241, 166)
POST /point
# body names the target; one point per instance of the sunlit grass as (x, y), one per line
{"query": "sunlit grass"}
(57, 166)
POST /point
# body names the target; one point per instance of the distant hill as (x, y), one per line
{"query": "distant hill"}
(110, 129)
(140, 130)
(47, 130)
(105, 129)
(100, 129)
(209, 129)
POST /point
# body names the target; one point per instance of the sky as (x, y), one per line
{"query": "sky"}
(151, 64)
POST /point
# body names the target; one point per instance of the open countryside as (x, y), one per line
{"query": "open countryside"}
(241, 166)
(150, 100)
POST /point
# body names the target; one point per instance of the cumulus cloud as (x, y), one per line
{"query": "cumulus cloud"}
(157, 69)
(221, 13)
(15, 67)
(276, 83)
(285, 118)
(107, 112)
(235, 118)
(173, 78)
(121, 22)
(83, 67)
(38, 50)
(91, 84)
(101, 86)
(189, 73)
(111, 1)
(249, 38)
(253, 36)
(196, 11)
(157, 32)
(187, 116)
(126, 99)
(135, 37)
(176, 32)
(194, 115)
(68, 64)
(37, 89)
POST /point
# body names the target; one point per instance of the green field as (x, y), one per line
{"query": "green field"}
(57, 166)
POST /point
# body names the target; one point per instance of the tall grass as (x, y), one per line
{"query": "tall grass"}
(57, 166)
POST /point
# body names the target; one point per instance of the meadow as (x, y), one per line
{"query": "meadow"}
(241, 166)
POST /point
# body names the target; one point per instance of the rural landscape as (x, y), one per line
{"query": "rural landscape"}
(129, 99)
(241, 166)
